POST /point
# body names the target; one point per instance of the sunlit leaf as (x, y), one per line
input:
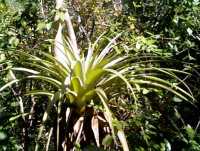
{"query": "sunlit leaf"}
(3, 136)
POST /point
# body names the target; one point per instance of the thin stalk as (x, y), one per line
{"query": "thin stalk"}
(49, 139)
(58, 124)
(45, 116)
(32, 99)
(24, 129)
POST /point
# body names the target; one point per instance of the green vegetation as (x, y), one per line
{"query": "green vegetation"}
(99, 75)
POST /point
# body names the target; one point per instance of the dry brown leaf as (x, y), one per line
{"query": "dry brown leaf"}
(95, 129)
(122, 139)
(77, 125)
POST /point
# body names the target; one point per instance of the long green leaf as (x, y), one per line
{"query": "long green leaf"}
(39, 92)
(125, 80)
(159, 86)
(9, 84)
(48, 70)
(47, 79)
(106, 50)
(13, 118)
(109, 117)
(120, 133)
(25, 70)
(168, 84)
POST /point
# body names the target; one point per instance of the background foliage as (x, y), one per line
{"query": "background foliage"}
(168, 31)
